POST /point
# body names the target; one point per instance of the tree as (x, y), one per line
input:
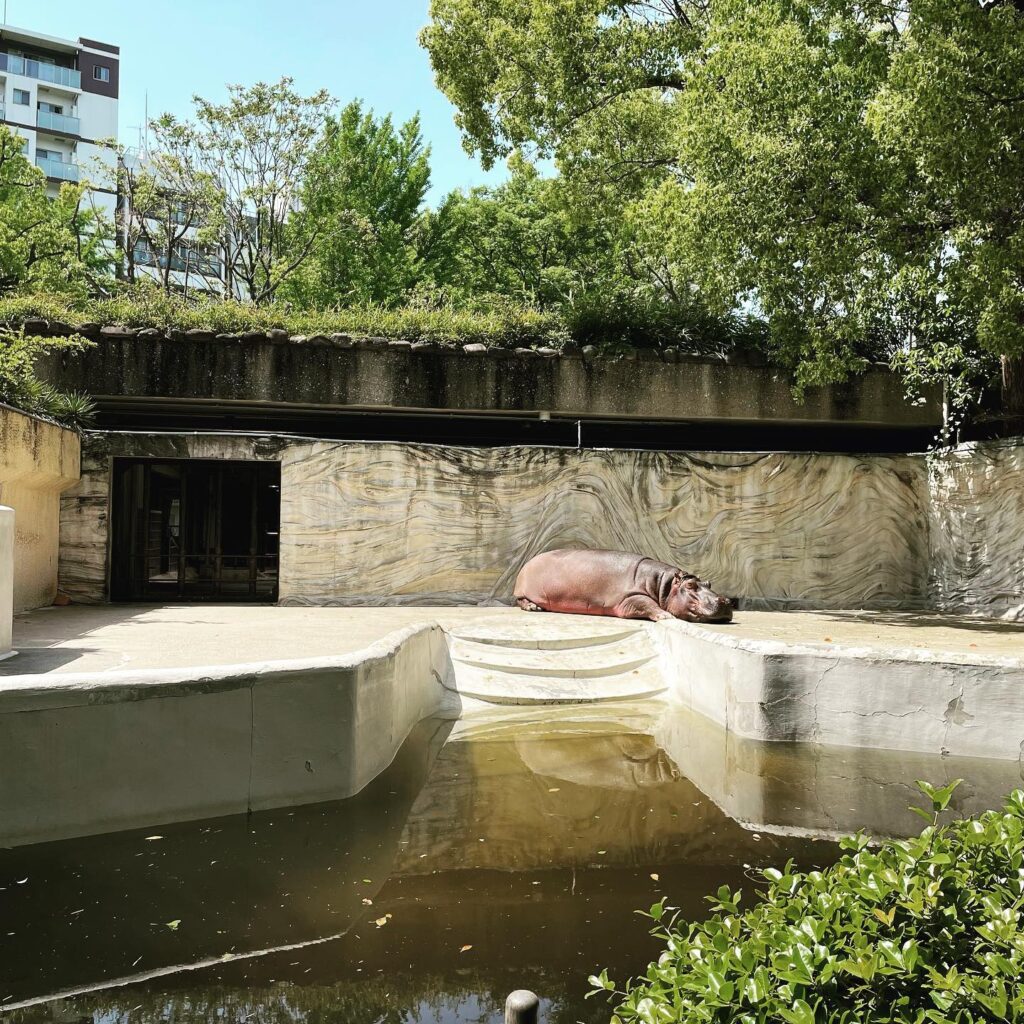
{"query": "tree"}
(527, 240)
(953, 106)
(168, 214)
(59, 243)
(362, 196)
(852, 171)
(253, 149)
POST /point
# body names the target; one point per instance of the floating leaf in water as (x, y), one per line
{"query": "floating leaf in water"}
(381, 921)
(367, 901)
(654, 875)
(367, 881)
(22, 881)
(465, 949)
(554, 789)
(150, 839)
(173, 925)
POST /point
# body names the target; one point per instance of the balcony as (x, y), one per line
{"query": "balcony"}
(52, 73)
(182, 260)
(58, 123)
(60, 169)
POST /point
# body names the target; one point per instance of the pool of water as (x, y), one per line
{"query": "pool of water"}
(510, 853)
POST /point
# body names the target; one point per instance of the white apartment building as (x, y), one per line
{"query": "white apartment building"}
(194, 268)
(61, 97)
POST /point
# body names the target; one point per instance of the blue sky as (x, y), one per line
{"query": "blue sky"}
(354, 49)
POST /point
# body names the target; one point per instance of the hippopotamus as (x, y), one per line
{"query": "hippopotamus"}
(628, 586)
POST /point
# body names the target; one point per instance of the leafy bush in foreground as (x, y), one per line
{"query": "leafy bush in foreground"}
(922, 930)
(20, 387)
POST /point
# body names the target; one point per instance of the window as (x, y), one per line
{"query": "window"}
(50, 154)
(49, 108)
(21, 97)
(101, 73)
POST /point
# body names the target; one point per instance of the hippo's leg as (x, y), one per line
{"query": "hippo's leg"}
(639, 606)
(527, 605)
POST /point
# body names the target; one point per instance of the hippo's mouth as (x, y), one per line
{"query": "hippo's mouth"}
(720, 618)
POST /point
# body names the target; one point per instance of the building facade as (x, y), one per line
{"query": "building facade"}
(165, 242)
(60, 96)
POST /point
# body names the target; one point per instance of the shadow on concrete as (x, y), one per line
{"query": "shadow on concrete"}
(929, 620)
(40, 660)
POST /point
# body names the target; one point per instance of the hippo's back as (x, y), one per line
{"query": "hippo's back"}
(587, 582)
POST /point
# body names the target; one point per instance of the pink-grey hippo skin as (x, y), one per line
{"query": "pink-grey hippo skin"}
(616, 583)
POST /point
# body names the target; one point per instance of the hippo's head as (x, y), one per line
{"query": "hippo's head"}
(693, 600)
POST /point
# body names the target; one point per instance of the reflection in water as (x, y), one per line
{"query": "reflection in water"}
(511, 853)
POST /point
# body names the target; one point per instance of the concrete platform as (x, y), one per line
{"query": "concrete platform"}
(106, 638)
(117, 716)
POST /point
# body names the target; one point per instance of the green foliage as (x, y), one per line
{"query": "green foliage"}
(492, 320)
(851, 171)
(252, 152)
(363, 190)
(20, 387)
(498, 324)
(529, 240)
(45, 242)
(923, 930)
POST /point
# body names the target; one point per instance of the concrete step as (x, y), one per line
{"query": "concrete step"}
(556, 660)
(599, 659)
(550, 632)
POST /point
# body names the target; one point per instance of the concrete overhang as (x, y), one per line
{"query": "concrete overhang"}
(132, 369)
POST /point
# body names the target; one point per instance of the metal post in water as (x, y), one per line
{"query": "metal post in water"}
(521, 1007)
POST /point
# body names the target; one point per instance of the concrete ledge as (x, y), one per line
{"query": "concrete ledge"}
(85, 753)
(939, 702)
(97, 753)
(390, 375)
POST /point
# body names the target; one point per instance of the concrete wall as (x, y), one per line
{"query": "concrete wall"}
(6, 578)
(365, 523)
(900, 699)
(89, 754)
(38, 460)
(368, 523)
(976, 528)
(378, 373)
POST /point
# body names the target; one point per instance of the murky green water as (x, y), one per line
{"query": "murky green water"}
(505, 854)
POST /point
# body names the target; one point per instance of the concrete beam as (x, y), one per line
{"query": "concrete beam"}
(380, 374)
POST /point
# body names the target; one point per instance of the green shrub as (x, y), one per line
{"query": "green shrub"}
(502, 326)
(922, 930)
(614, 322)
(20, 387)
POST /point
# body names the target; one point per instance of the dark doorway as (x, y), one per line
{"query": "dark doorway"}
(195, 530)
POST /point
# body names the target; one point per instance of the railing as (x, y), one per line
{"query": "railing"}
(59, 169)
(52, 73)
(194, 262)
(58, 122)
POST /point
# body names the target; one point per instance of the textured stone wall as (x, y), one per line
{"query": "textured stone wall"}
(420, 524)
(374, 523)
(389, 523)
(976, 535)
